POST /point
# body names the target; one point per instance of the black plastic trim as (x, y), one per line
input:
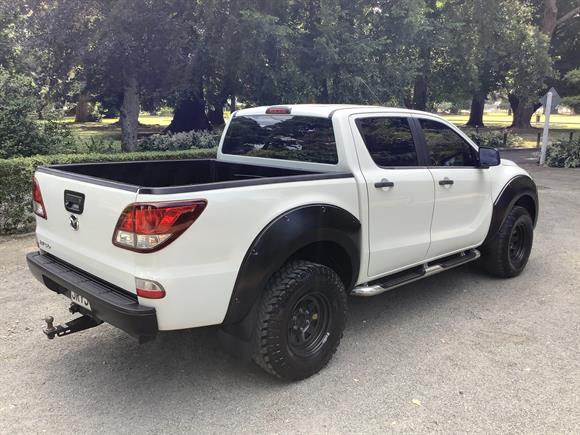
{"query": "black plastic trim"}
(87, 178)
(108, 303)
(513, 191)
(420, 144)
(456, 167)
(398, 278)
(72, 199)
(455, 260)
(282, 238)
(60, 170)
(242, 183)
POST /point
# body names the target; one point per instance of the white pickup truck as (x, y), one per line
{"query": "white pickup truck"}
(304, 205)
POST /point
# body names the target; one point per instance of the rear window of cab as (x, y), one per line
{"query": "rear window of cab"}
(284, 137)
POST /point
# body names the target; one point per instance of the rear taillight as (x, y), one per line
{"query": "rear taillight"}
(37, 202)
(147, 227)
(149, 289)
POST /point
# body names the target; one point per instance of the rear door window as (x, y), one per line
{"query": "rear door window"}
(389, 141)
(286, 137)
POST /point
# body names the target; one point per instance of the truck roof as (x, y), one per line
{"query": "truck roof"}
(318, 110)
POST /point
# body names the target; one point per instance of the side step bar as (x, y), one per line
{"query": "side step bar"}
(414, 274)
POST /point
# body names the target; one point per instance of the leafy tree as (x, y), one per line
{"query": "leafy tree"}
(119, 50)
(565, 49)
(531, 65)
(199, 56)
(572, 80)
(8, 35)
(434, 43)
(558, 20)
(354, 51)
(492, 34)
(21, 134)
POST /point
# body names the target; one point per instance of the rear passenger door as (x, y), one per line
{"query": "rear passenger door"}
(463, 204)
(400, 192)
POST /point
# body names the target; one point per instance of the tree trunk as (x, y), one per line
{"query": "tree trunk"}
(189, 115)
(324, 97)
(129, 114)
(476, 112)
(522, 116)
(420, 91)
(82, 113)
(232, 103)
(550, 17)
(216, 116)
(522, 111)
(408, 100)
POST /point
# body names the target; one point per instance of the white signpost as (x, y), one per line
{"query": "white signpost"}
(550, 101)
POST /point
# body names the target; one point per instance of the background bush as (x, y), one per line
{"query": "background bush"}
(180, 141)
(98, 145)
(16, 180)
(564, 154)
(21, 131)
(495, 139)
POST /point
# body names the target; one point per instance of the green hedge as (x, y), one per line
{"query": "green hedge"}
(564, 154)
(16, 180)
(493, 138)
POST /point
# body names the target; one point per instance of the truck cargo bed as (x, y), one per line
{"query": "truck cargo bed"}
(174, 176)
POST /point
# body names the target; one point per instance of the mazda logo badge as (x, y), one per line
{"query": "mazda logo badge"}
(74, 222)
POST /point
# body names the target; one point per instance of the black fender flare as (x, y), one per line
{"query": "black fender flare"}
(280, 239)
(515, 190)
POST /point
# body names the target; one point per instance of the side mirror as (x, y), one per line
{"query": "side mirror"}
(488, 156)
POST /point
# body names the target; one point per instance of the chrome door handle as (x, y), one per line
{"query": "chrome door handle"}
(446, 182)
(384, 183)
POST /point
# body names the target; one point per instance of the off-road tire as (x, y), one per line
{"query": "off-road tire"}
(506, 255)
(295, 284)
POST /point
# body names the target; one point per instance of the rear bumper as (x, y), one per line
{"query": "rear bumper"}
(108, 303)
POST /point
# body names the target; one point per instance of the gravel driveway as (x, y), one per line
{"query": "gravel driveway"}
(457, 352)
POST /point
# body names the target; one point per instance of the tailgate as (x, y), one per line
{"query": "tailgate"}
(89, 246)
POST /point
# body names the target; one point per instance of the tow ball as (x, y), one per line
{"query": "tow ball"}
(75, 325)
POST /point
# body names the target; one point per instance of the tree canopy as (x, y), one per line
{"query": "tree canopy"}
(202, 56)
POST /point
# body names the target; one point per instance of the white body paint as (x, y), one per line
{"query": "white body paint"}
(415, 221)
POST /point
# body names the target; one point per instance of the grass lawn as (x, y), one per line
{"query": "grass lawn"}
(109, 129)
(561, 125)
(503, 120)
(154, 120)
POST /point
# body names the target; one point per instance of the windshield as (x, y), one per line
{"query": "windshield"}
(285, 137)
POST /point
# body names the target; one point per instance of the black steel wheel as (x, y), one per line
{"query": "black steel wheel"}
(517, 243)
(507, 254)
(309, 324)
(300, 321)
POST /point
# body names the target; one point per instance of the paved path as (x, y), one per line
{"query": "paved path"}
(457, 352)
(522, 156)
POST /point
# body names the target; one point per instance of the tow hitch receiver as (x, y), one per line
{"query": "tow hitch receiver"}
(74, 325)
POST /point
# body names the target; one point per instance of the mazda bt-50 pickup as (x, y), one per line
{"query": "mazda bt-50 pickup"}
(303, 206)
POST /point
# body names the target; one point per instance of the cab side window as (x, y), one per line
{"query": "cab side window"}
(389, 141)
(445, 146)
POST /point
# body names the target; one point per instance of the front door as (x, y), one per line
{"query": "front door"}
(463, 204)
(400, 193)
